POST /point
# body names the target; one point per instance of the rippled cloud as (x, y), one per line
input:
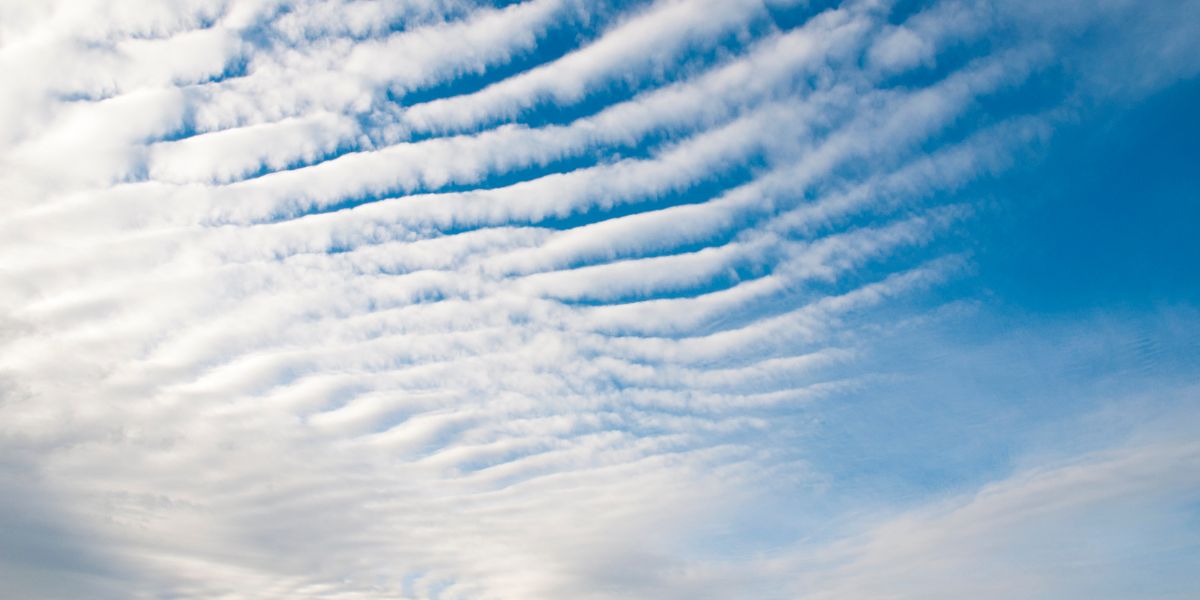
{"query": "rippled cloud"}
(554, 299)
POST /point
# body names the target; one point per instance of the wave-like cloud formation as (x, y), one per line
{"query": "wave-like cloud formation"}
(428, 298)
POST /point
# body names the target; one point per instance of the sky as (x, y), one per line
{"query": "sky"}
(599, 299)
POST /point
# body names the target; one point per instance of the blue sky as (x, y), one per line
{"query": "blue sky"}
(571, 299)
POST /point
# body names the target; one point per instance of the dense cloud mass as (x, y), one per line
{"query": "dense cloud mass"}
(551, 299)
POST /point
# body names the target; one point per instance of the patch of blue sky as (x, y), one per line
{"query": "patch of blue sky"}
(902, 10)
(962, 402)
(1082, 294)
(790, 15)
(1104, 216)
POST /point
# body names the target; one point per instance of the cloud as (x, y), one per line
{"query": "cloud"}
(1086, 527)
(445, 299)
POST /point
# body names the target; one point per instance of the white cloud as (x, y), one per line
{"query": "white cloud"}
(1084, 528)
(273, 328)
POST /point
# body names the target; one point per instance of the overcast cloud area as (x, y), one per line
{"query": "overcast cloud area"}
(598, 299)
